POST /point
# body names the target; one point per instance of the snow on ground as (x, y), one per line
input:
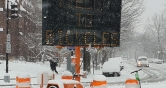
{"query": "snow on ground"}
(18, 67)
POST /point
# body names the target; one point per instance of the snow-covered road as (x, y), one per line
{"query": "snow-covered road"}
(155, 73)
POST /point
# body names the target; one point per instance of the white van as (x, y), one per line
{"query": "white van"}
(142, 61)
(111, 68)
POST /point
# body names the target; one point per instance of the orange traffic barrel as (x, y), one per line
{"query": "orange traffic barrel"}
(67, 75)
(132, 83)
(99, 80)
(23, 81)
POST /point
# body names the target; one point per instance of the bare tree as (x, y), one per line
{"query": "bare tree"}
(130, 17)
(131, 11)
(156, 26)
(33, 8)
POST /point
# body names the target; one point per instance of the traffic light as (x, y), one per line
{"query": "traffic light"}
(14, 11)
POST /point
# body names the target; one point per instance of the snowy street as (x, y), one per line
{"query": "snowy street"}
(151, 75)
(83, 43)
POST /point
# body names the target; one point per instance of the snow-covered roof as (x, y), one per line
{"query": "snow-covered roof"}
(113, 64)
(142, 57)
(114, 60)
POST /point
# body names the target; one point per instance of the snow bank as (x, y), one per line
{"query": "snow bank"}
(60, 84)
(99, 78)
(45, 77)
(67, 73)
(70, 81)
(24, 76)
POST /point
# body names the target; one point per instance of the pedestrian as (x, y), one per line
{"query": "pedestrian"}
(51, 62)
(53, 66)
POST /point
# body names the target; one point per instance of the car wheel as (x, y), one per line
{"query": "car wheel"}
(118, 74)
(139, 65)
(115, 74)
(104, 74)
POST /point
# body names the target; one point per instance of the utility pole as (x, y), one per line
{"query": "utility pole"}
(8, 45)
(7, 26)
(14, 11)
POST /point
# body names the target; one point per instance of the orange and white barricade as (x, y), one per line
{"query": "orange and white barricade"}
(23, 81)
(42, 78)
(99, 81)
(51, 75)
(132, 83)
(67, 75)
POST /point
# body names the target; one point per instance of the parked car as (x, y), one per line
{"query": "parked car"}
(111, 68)
(142, 61)
(155, 60)
(120, 62)
(158, 61)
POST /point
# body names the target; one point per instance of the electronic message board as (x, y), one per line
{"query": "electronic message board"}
(81, 22)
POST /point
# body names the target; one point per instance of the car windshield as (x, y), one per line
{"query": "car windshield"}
(142, 59)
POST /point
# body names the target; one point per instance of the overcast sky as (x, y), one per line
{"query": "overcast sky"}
(151, 7)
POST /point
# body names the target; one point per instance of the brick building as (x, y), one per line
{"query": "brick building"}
(2, 28)
(24, 24)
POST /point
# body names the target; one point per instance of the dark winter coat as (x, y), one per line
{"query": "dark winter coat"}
(53, 66)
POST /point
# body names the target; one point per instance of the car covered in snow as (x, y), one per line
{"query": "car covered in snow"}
(111, 68)
(155, 60)
(159, 62)
(120, 61)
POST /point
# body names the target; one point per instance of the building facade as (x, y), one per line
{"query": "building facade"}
(20, 29)
(2, 29)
